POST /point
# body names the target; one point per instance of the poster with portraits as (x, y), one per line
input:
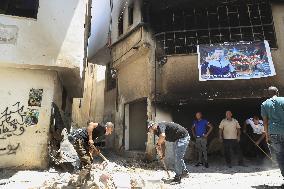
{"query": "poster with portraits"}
(235, 60)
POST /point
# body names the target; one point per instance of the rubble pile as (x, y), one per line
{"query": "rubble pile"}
(116, 174)
(121, 173)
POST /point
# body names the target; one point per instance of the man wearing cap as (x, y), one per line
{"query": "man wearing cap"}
(172, 132)
(272, 111)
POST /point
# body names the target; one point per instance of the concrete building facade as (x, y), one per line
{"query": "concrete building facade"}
(42, 53)
(91, 106)
(152, 73)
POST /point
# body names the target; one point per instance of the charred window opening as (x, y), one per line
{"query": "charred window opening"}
(120, 25)
(130, 14)
(110, 78)
(179, 30)
(23, 8)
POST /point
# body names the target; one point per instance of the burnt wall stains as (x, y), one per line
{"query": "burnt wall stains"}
(35, 97)
(57, 122)
(10, 149)
(180, 28)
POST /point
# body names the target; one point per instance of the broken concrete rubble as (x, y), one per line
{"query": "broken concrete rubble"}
(105, 176)
(118, 173)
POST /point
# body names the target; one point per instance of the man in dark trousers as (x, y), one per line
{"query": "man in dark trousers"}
(199, 132)
(258, 136)
(229, 133)
(172, 132)
(272, 111)
(84, 145)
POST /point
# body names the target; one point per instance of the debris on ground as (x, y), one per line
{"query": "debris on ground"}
(128, 173)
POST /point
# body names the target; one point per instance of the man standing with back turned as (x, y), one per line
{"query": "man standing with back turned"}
(172, 132)
(272, 111)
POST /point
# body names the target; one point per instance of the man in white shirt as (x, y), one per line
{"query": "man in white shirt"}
(258, 135)
(229, 133)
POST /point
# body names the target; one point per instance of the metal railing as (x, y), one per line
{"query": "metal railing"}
(185, 41)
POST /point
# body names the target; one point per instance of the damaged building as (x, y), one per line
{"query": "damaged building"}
(42, 59)
(152, 64)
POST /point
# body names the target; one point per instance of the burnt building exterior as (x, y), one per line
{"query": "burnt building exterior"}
(153, 69)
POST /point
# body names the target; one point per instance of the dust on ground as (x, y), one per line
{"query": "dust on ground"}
(126, 173)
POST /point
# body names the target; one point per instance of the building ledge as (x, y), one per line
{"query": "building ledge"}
(69, 76)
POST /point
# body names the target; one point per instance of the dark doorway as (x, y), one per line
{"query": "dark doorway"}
(138, 125)
(214, 112)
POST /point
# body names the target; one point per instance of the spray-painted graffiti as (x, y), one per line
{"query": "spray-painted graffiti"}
(12, 121)
(35, 97)
(31, 117)
(10, 149)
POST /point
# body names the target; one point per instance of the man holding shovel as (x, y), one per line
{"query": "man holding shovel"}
(257, 137)
(84, 145)
(172, 132)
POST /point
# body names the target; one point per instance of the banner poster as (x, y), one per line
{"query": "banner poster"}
(235, 60)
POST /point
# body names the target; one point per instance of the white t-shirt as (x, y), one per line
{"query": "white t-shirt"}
(257, 129)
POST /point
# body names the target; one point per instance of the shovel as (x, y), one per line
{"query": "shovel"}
(260, 148)
(163, 161)
(100, 154)
(165, 167)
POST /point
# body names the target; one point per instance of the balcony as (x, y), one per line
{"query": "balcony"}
(178, 30)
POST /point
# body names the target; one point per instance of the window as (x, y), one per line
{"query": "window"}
(227, 21)
(23, 8)
(120, 25)
(110, 78)
(130, 14)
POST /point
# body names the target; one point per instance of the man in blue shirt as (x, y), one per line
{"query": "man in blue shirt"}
(199, 132)
(272, 111)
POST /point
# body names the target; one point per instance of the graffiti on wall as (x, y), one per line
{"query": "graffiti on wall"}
(31, 117)
(12, 121)
(9, 149)
(8, 34)
(35, 97)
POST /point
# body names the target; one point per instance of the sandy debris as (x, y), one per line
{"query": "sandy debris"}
(128, 173)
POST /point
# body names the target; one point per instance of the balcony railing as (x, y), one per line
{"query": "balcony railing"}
(185, 41)
(180, 29)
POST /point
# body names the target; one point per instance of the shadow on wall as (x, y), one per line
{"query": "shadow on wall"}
(56, 127)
